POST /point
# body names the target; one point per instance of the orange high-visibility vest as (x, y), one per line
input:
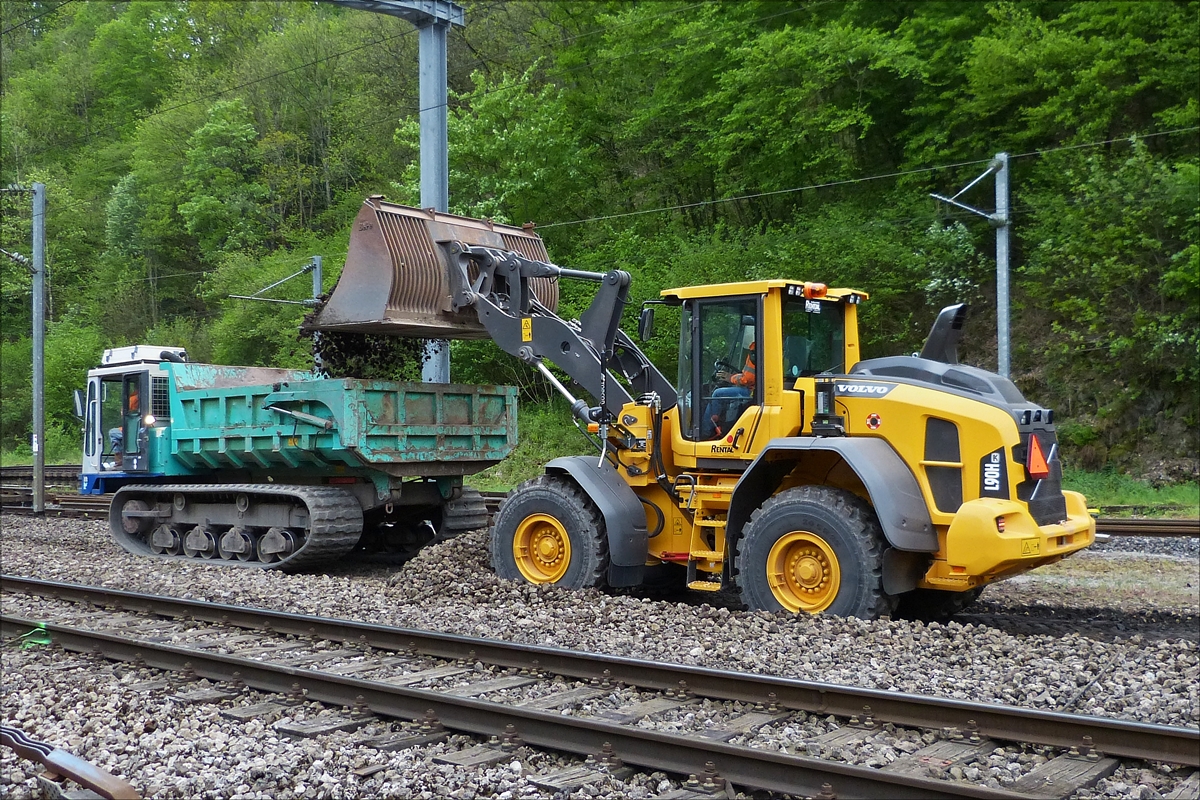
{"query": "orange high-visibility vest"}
(747, 376)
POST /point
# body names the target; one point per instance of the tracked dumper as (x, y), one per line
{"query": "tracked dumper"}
(283, 469)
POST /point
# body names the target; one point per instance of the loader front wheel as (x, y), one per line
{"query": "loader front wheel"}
(547, 531)
(814, 549)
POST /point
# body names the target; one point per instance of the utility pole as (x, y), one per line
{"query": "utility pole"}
(317, 277)
(37, 269)
(433, 19)
(1001, 222)
(39, 348)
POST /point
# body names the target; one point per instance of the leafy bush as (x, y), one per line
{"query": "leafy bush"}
(545, 432)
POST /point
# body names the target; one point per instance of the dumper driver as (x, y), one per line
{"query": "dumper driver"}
(116, 436)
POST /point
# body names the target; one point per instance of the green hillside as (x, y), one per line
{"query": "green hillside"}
(195, 150)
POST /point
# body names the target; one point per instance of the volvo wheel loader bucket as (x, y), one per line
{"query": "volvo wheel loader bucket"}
(396, 279)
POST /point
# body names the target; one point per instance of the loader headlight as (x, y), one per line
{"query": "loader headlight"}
(148, 420)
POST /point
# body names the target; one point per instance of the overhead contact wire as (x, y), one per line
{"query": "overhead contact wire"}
(849, 181)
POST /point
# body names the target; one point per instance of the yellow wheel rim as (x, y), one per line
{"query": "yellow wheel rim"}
(803, 572)
(542, 549)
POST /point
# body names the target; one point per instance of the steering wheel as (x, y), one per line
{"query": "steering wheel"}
(721, 365)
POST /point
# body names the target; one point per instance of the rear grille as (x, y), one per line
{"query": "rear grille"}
(1044, 498)
(160, 403)
(941, 444)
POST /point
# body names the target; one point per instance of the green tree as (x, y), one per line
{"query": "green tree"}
(1115, 270)
(514, 153)
(224, 208)
(797, 105)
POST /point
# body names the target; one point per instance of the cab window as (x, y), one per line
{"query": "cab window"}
(814, 337)
(717, 365)
(111, 410)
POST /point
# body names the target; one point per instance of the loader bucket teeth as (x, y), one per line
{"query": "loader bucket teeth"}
(397, 276)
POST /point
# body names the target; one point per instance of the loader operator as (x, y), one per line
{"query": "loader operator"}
(741, 387)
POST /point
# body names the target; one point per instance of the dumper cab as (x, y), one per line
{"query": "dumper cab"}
(126, 415)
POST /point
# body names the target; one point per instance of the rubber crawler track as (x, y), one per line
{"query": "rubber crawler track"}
(335, 520)
(466, 513)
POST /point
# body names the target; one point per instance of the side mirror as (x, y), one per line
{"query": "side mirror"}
(646, 324)
(80, 404)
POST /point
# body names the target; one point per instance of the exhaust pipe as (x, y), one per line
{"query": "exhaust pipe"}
(942, 344)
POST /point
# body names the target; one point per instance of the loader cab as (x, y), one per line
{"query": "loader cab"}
(786, 332)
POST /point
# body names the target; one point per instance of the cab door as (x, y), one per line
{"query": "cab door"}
(93, 432)
(135, 397)
(719, 350)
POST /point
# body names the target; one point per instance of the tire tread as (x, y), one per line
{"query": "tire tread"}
(846, 505)
(554, 487)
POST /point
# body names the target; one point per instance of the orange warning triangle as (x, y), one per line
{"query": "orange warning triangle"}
(1036, 463)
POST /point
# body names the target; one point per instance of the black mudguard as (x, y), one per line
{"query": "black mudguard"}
(893, 492)
(624, 519)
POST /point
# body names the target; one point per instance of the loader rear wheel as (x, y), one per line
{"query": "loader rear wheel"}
(548, 532)
(814, 549)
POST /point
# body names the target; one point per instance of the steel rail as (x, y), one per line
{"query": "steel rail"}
(1115, 737)
(24, 473)
(681, 754)
(17, 498)
(1116, 526)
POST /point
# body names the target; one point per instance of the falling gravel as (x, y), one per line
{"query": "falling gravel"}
(1118, 665)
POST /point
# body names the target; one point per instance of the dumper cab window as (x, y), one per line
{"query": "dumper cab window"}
(112, 416)
(814, 338)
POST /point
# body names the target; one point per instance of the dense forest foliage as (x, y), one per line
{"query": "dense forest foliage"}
(195, 150)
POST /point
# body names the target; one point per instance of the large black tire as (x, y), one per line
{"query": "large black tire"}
(561, 532)
(821, 547)
(931, 605)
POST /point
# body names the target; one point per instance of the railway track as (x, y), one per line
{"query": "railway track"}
(55, 475)
(587, 704)
(18, 499)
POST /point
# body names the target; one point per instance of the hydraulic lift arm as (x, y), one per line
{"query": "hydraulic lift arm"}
(586, 349)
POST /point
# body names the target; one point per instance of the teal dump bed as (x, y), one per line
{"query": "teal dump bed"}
(261, 418)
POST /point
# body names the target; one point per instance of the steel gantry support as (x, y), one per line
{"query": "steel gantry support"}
(1001, 222)
(433, 19)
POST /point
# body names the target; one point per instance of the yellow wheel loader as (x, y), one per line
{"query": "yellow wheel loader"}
(779, 465)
